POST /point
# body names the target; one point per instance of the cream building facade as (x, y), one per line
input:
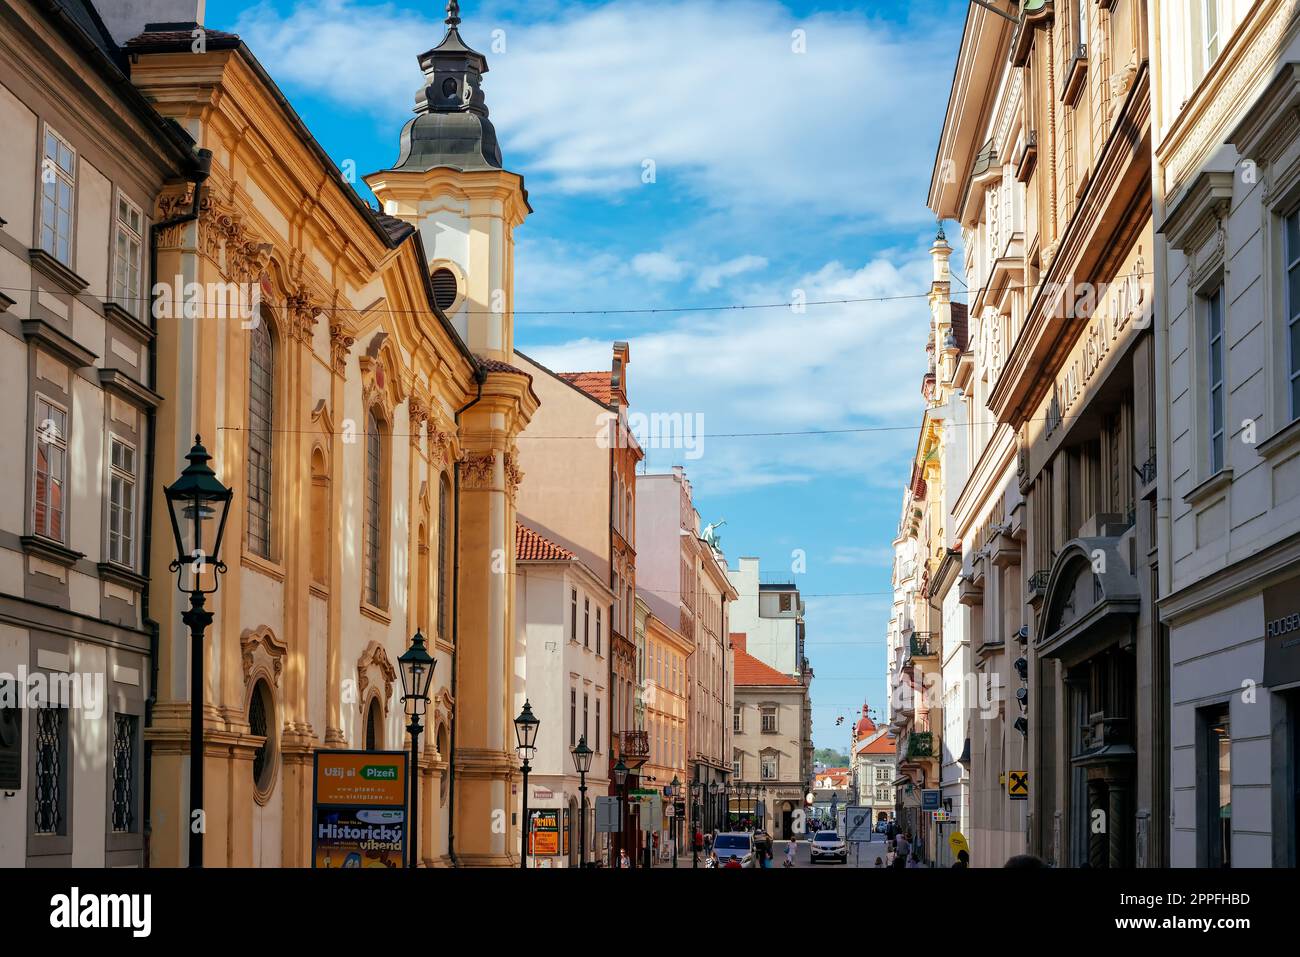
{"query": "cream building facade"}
(768, 735)
(370, 443)
(1224, 93)
(1053, 112)
(85, 159)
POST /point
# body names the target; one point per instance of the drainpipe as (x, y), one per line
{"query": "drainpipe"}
(480, 376)
(202, 167)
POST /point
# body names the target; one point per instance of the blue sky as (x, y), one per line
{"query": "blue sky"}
(778, 173)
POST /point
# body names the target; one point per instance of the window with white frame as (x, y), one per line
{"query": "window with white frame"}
(769, 719)
(573, 716)
(769, 767)
(573, 614)
(49, 469)
(58, 182)
(597, 629)
(121, 503)
(737, 763)
(1209, 33)
(586, 622)
(1213, 304)
(736, 720)
(596, 744)
(128, 244)
(1291, 250)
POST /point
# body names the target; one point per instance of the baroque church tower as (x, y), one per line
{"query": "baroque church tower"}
(449, 183)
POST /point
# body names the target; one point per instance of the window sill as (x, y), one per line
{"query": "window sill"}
(121, 575)
(50, 550)
(262, 565)
(118, 383)
(123, 320)
(1283, 440)
(1211, 487)
(375, 614)
(319, 590)
(56, 272)
(51, 339)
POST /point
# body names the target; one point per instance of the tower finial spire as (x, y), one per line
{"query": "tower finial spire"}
(453, 13)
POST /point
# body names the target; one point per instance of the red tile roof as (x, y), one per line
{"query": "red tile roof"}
(751, 671)
(885, 744)
(531, 546)
(595, 384)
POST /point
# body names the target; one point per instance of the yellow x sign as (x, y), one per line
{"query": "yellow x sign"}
(1018, 785)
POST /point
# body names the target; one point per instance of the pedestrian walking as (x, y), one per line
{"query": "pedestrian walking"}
(914, 860)
(963, 860)
(789, 853)
(622, 859)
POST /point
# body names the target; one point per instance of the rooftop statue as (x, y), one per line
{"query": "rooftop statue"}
(710, 534)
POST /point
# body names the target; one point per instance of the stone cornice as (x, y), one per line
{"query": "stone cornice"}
(1191, 218)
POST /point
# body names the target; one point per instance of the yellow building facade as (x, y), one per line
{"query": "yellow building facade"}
(365, 415)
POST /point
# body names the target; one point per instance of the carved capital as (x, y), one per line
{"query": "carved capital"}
(418, 410)
(342, 340)
(478, 470)
(513, 473)
(302, 312)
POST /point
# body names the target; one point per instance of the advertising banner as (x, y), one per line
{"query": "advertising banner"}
(359, 809)
(548, 825)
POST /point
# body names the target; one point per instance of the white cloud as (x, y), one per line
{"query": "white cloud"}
(710, 90)
(841, 366)
(711, 277)
(659, 266)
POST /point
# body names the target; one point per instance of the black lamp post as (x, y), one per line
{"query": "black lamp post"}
(417, 667)
(582, 764)
(199, 505)
(695, 823)
(525, 743)
(676, 785)
(620, 781)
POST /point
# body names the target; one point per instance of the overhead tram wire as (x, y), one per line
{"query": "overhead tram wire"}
(611, 311)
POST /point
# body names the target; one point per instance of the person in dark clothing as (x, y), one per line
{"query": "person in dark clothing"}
(1024, 860)
(963, 860)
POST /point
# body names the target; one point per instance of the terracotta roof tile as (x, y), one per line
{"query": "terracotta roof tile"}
(595, 384)
(751, 671)
(531, 546)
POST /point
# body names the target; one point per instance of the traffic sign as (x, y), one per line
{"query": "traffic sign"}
(857, 824)
(608, 816)
(1018, 785)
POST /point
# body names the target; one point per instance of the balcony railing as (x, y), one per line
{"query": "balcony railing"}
(634, 748)
(923, 644)
(1038, 584)
(920, 744)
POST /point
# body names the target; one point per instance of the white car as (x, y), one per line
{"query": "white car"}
(828, 846)
(737, 846)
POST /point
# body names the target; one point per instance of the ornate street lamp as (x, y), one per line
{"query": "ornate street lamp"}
(416, 666)
(582, 764)
(676, 785)
(696, 787)
(525, 744)
(198, 505)
(620, 781)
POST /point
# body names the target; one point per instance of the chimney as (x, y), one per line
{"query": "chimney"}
(738, 640)
(127, 18)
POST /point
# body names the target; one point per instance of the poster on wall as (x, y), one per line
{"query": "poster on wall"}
(359, 809)
(550, 826)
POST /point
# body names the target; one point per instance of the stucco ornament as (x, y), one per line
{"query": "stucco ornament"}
(263, 655)
(375, 668)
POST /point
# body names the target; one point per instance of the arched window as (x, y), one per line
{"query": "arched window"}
(374, 545)
(320, 518)
(261, 371)
(374, 727)
(444, 557)
(261, 722)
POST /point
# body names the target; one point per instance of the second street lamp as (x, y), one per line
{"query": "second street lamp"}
(676, 785)
(582, 764)
(620, 779)
(417, 667)
(526, 744)
(695, 823)
(198, 505)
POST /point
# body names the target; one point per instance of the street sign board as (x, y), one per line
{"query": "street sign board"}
(359, 809)
(1018, 785)
(857, 824)
(942, 817)
(930, 799)
(608, 818)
